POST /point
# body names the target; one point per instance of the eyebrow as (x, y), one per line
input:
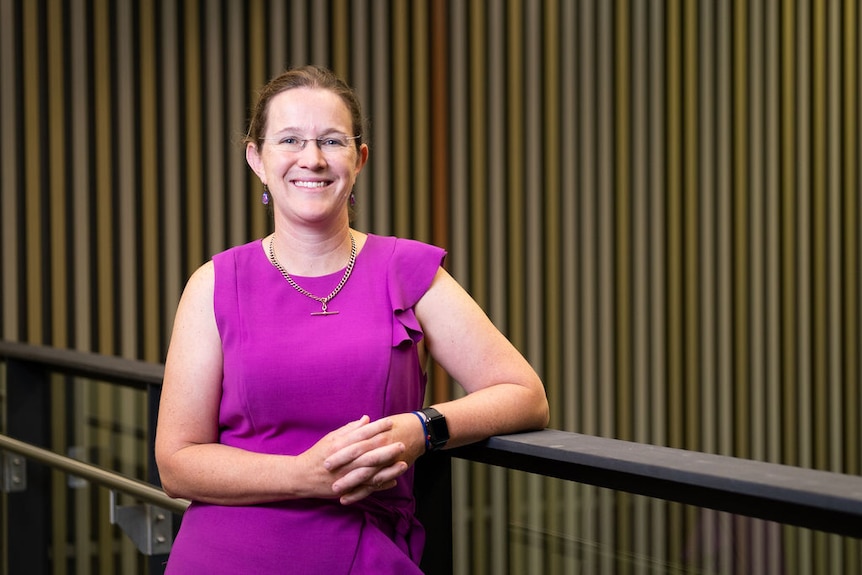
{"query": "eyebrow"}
(292, 130)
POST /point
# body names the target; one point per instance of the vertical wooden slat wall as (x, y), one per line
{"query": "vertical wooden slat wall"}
(657, 201)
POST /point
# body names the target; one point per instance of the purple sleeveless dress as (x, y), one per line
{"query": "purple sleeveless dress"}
(289, 379)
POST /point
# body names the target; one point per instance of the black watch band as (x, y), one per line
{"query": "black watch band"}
(437, 431)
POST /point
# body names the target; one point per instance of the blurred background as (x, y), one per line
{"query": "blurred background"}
(657, 201)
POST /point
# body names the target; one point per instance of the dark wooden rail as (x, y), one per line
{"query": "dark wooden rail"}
(820, 500)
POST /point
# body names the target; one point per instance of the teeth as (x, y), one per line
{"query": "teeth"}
(302, 184)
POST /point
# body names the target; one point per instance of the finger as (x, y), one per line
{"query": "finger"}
(365, 454)
(369, 429)
(356, 495)
(355, 480)
(387, 477)
(364, 491)
(363, 476)
(353, 425)
(385, 486)
(346, 437)
(358, 443)
(382, 456)
(352, 433)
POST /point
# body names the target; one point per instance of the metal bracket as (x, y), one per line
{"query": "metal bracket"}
(13, 472)
(148, 526)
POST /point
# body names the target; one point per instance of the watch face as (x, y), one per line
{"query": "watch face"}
(441, 430)
(437, 428)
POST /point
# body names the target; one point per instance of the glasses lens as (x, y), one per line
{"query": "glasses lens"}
(289, 144)
(333, 143)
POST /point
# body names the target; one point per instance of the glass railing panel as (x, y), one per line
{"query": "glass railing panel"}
(101, 423)
(503, 521)
(107, 426)
(512, 522)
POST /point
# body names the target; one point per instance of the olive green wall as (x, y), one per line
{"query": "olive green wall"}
(657, 201)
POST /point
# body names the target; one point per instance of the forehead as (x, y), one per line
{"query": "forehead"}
(308, 109)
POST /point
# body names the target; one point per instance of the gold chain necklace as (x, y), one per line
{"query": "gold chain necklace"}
(324, 301)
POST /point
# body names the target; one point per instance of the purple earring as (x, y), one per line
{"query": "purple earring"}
(352, 199)
(265, 197)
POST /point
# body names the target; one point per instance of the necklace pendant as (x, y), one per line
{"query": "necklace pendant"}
(323, 308)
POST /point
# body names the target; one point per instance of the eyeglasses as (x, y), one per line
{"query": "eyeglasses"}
(332, 144)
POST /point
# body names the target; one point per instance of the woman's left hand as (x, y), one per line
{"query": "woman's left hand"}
(376, 469)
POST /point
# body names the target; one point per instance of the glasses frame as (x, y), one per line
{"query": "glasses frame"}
(318, 142)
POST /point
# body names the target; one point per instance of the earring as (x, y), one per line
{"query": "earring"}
(265, 197)
(352, 199)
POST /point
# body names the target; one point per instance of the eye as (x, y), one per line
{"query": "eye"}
(333, 142)
(289, 140)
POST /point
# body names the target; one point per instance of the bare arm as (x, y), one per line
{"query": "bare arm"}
(504, 393)
(194, 465)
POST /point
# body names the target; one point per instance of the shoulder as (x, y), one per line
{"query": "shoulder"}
(408, 266)
(404, 251)
(223, 264)
(203, 274)
(200, 285)
(239, 253)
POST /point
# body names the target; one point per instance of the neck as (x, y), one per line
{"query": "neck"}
(312, 254)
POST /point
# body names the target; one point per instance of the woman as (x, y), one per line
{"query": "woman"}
(291, 407)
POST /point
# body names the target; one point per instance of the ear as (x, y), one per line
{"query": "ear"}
(361, 159)
(252, 156)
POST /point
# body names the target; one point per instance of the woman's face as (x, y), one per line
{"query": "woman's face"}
(311, 184)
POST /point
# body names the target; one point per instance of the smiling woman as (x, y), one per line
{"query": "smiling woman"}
(285, 163)
(292, 405)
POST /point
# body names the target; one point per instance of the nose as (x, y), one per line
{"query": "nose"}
(311, 155)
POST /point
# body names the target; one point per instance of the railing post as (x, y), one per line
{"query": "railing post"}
(433, 491)
(29, 511)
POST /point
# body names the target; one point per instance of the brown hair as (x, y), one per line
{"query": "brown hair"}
(302, 77)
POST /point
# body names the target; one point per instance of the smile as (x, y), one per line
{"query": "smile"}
(309, 185)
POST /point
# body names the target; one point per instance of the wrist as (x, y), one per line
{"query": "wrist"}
(424, 421)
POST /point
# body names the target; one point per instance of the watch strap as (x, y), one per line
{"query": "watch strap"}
(424, 419)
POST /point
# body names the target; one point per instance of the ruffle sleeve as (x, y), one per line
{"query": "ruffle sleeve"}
(412, 269)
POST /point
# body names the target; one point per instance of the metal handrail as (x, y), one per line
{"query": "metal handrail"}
(120, 370)
(94, 473)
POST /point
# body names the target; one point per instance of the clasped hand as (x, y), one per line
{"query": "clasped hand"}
(362, 457)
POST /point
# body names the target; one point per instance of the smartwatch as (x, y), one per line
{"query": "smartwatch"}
(436, 430)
